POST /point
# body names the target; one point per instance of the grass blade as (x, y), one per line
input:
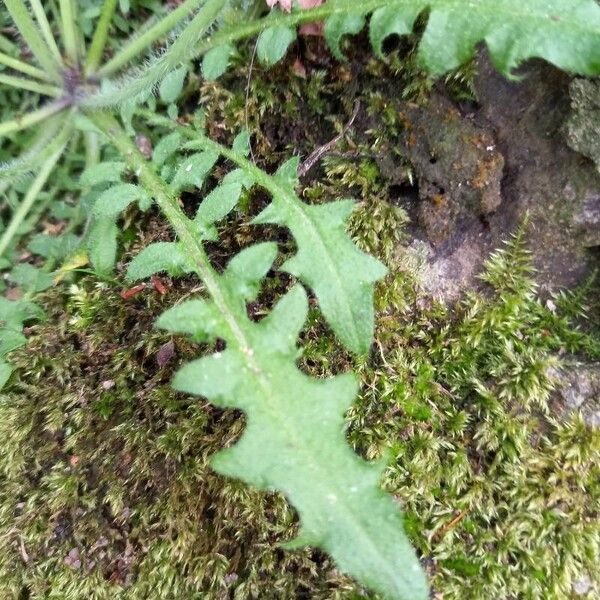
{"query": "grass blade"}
(29, 199)
(22, 67)
(32, 118)
(69, 30)
(33, 37)
(100, 36)
(32, 86)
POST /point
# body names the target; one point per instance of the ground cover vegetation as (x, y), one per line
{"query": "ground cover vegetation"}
(116, 485)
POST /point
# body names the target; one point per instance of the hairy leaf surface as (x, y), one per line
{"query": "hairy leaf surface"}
(294, 438)
(564, 32)
(341, 275)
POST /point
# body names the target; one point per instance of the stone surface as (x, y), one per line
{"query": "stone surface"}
(583, 127)
(483, 171)
(458, 168)
(578, 388)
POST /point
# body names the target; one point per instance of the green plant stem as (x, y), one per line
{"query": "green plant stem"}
(44, 25)
(30, 197)
(185, 229)
(145, 41)
(22, 67)
(33, 37)
(129, 87)
(32, 86)
(100, 36)
(32, 118)
(168, 203)
(69, 30)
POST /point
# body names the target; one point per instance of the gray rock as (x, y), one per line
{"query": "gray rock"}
(583, 127)
(578, 387)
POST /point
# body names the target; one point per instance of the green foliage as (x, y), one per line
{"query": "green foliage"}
(294, 436)
(13, 316)
(325, 256)
(325, 252)
(564, 33)
(293, 421)
(134, 494)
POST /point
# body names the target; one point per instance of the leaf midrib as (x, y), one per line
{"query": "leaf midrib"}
(188, 237)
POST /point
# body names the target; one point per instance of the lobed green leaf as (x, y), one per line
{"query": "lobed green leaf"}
(294, 440)
(102, 244)
(159, 257)
(216, 61)
(111, 203)
(104, 172)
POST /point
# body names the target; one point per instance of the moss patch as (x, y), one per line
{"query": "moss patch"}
(105, 487)
(107, 493)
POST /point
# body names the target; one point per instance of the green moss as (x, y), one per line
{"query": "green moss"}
(500, 485)
(102, 459)
(105, 487)
(106, 490)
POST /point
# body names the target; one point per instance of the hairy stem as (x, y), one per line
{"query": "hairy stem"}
(33, 86)
(185, 229)
(33, 37)
(143, 42)
(129, 87)
(100, 36)
(44, 25)
(22, 67)
(30, 197)
(69, 30)
(51, 137)
(32, 118)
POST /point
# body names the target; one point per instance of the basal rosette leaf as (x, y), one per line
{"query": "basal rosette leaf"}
(294, 439)
(563, 32)
(341, 275)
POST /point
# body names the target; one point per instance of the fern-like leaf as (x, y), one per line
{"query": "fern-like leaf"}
(294, 440)
(564, 32)
(341, 275)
